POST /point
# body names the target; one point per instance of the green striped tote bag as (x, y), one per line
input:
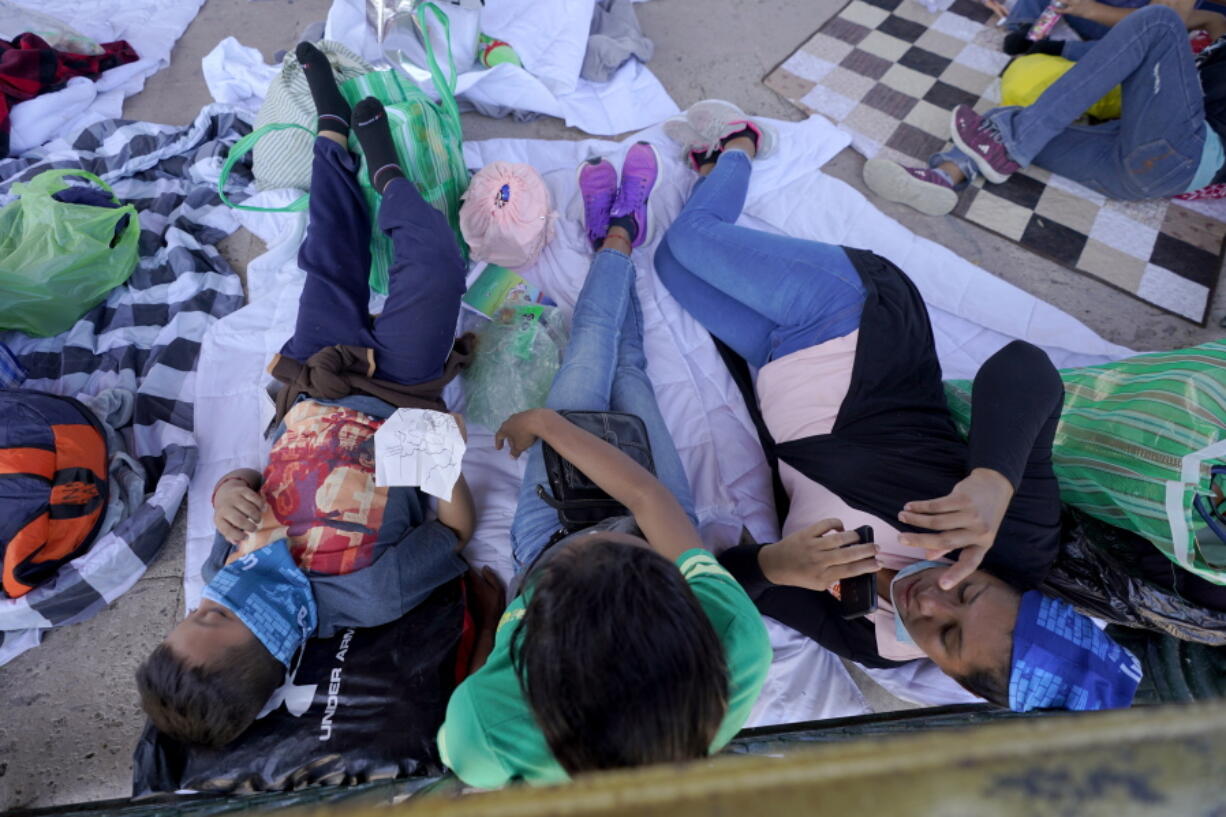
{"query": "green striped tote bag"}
(427, 134)
(1141, 445)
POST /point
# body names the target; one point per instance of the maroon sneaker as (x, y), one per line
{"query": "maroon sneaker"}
(979, 139)
(922, 188)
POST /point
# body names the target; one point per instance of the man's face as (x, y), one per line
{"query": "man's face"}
(207, 634)
(964, 629)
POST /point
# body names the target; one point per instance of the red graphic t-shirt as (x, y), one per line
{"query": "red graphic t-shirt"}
(320, 487)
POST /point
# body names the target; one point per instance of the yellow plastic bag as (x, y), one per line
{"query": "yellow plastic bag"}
(1028, 77)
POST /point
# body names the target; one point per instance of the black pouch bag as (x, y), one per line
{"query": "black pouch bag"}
(581, 503)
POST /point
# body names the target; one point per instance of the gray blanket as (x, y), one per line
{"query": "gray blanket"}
(144, 338)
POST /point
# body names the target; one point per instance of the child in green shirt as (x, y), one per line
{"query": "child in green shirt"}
(629, 645)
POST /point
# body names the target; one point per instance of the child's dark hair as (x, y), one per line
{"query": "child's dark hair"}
(211, 705)
(617, 659)
(991, 685)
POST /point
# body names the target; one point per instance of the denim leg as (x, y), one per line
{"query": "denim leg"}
(583, 382)
(809, 289)
(413, 336)
(1074, 50)
(1161, 133)
(1024, 12)
(633, 393)
(748, 333)
(1087, 29)
(959, 160)
(335, 255)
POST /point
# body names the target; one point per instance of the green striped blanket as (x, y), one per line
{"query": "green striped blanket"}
(1136, 444)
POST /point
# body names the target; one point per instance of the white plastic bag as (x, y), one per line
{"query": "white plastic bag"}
(518, 353)
(15, 20)
(403, 38)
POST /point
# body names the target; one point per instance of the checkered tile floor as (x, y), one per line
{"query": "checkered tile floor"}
(889, 72)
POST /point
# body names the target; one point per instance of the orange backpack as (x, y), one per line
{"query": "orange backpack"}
(53, 485)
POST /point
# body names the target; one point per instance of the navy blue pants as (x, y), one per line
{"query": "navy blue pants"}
(412, 338)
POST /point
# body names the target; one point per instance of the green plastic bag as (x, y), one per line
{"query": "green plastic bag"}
(428, 138)
(1140, 445)
(59, 260)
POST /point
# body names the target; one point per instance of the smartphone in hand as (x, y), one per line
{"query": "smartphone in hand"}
(858, 595)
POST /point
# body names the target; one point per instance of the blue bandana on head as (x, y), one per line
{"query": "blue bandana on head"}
(1062, 661)
(271, 595)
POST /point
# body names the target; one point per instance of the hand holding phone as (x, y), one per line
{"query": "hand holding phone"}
(817, 557)
(858, 595)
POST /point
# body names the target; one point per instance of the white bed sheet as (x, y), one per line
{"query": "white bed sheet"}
(152, 27)
(973, 313)
(550, 37)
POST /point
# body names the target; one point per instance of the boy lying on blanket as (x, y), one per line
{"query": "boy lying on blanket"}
(629, 644)
(849, 389)
(311, 545)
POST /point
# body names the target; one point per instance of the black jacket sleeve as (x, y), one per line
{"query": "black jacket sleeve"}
(1016, 404)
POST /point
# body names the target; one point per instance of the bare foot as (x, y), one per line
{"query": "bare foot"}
(743, 143)
(617, 239)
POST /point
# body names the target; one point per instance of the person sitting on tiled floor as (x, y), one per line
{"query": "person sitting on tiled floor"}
(1092, 19)
(1167, 142)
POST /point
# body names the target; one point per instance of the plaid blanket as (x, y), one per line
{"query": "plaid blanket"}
(29, 67)
(145, 337)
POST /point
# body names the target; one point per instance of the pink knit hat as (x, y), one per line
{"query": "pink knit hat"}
(507, 216)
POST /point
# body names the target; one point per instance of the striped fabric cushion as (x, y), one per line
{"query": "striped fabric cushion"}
(283, 158)
(1137, 443)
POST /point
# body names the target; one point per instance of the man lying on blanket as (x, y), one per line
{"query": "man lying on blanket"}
(849, 387)
(311, 545)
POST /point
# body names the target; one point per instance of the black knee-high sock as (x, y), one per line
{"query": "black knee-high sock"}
(370, 124)
(331, 107)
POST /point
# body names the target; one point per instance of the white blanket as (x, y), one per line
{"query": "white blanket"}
(973, 313)
(151, 26)
(550, 37)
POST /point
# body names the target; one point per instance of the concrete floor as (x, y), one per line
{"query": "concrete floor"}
(69, 718)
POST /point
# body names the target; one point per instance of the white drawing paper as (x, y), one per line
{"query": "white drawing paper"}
(419, 447)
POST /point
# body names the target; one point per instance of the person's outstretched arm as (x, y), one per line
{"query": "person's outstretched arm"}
(459, 514)
(1016, 401)
(656, 511)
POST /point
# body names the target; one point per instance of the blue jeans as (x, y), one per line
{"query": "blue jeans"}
(1152, 151)
(764, 295)
(413, 336)
(1027, 11)
(604, 369)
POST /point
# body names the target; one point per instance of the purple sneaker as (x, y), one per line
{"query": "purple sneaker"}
(640, 169)
(922, 188)
(598, 185)
(979, 139)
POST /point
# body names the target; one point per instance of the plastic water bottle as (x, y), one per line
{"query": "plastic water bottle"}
(1046, 22)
